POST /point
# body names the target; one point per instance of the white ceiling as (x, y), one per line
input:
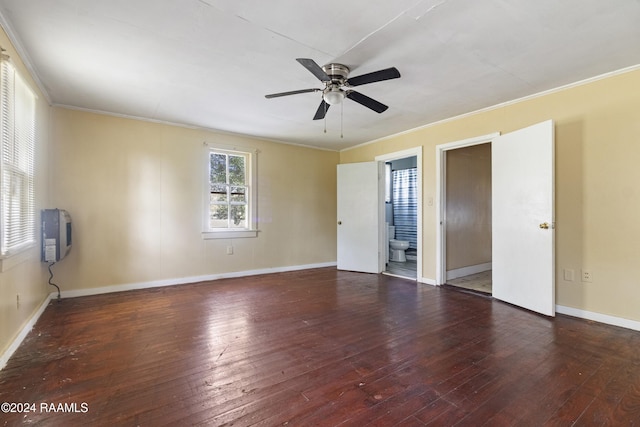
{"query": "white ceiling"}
(209, 63)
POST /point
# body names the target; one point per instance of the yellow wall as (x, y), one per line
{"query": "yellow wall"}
(597, 191)
(24, 275)
(134, 190)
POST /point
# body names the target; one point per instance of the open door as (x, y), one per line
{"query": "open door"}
(523, 218)
(360, 210)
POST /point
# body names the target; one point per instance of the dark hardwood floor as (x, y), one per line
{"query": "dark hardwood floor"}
(318, 347)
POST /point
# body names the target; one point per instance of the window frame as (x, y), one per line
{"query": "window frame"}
(17, 151)
(251, 185)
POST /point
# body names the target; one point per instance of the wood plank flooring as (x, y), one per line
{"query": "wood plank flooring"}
(319, 348)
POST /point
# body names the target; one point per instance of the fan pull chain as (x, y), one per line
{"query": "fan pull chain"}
(341, 117)
(325, 117)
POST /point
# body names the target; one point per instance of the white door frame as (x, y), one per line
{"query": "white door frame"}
(411, 152)
(441, 203)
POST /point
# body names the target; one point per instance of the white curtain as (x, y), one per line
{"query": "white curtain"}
(405, 205)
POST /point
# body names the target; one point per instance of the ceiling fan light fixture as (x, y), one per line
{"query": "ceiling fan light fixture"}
(333, 96)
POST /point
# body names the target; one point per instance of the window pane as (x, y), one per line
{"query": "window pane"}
(239, 194)
(238, 216)
(218, 168)
(17, 134)
(218, 193)
(237, 170)
(218, 197)
(219, 216)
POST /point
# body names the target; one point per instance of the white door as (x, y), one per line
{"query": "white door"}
(522, 165)
(360, 210)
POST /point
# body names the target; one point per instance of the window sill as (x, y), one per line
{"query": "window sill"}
(229, 234)
(21, 255)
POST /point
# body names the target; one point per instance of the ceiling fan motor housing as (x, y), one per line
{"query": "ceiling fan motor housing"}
(337, 72)
(333, 93)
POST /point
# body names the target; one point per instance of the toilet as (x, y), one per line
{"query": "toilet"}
(397, 247)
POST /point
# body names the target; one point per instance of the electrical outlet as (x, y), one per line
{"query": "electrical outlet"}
(229, 250)
(586, 276)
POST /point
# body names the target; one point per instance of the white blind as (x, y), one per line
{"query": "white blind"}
(17, 112)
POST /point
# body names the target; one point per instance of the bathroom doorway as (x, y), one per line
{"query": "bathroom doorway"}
(403, 213)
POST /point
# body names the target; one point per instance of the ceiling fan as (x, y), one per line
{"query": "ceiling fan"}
(337, 85)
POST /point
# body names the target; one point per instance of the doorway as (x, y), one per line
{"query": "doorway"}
(403, 211)
(522, 215)
(467, 217)
(461, 269)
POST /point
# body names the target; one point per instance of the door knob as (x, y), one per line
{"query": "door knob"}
(544, 225)
(339, 222)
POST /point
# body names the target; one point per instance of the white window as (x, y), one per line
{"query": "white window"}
(18, 116)
(230, 202)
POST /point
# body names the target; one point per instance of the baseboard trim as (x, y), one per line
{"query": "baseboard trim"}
(467, 271)
(598, 317)
(6, 355)
(427, 281)
(187, 280)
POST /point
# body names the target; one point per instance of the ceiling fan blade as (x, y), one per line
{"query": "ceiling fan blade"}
(376, 76)
(315, 69)
(366, 101)
(322, 110)
(293, 92)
